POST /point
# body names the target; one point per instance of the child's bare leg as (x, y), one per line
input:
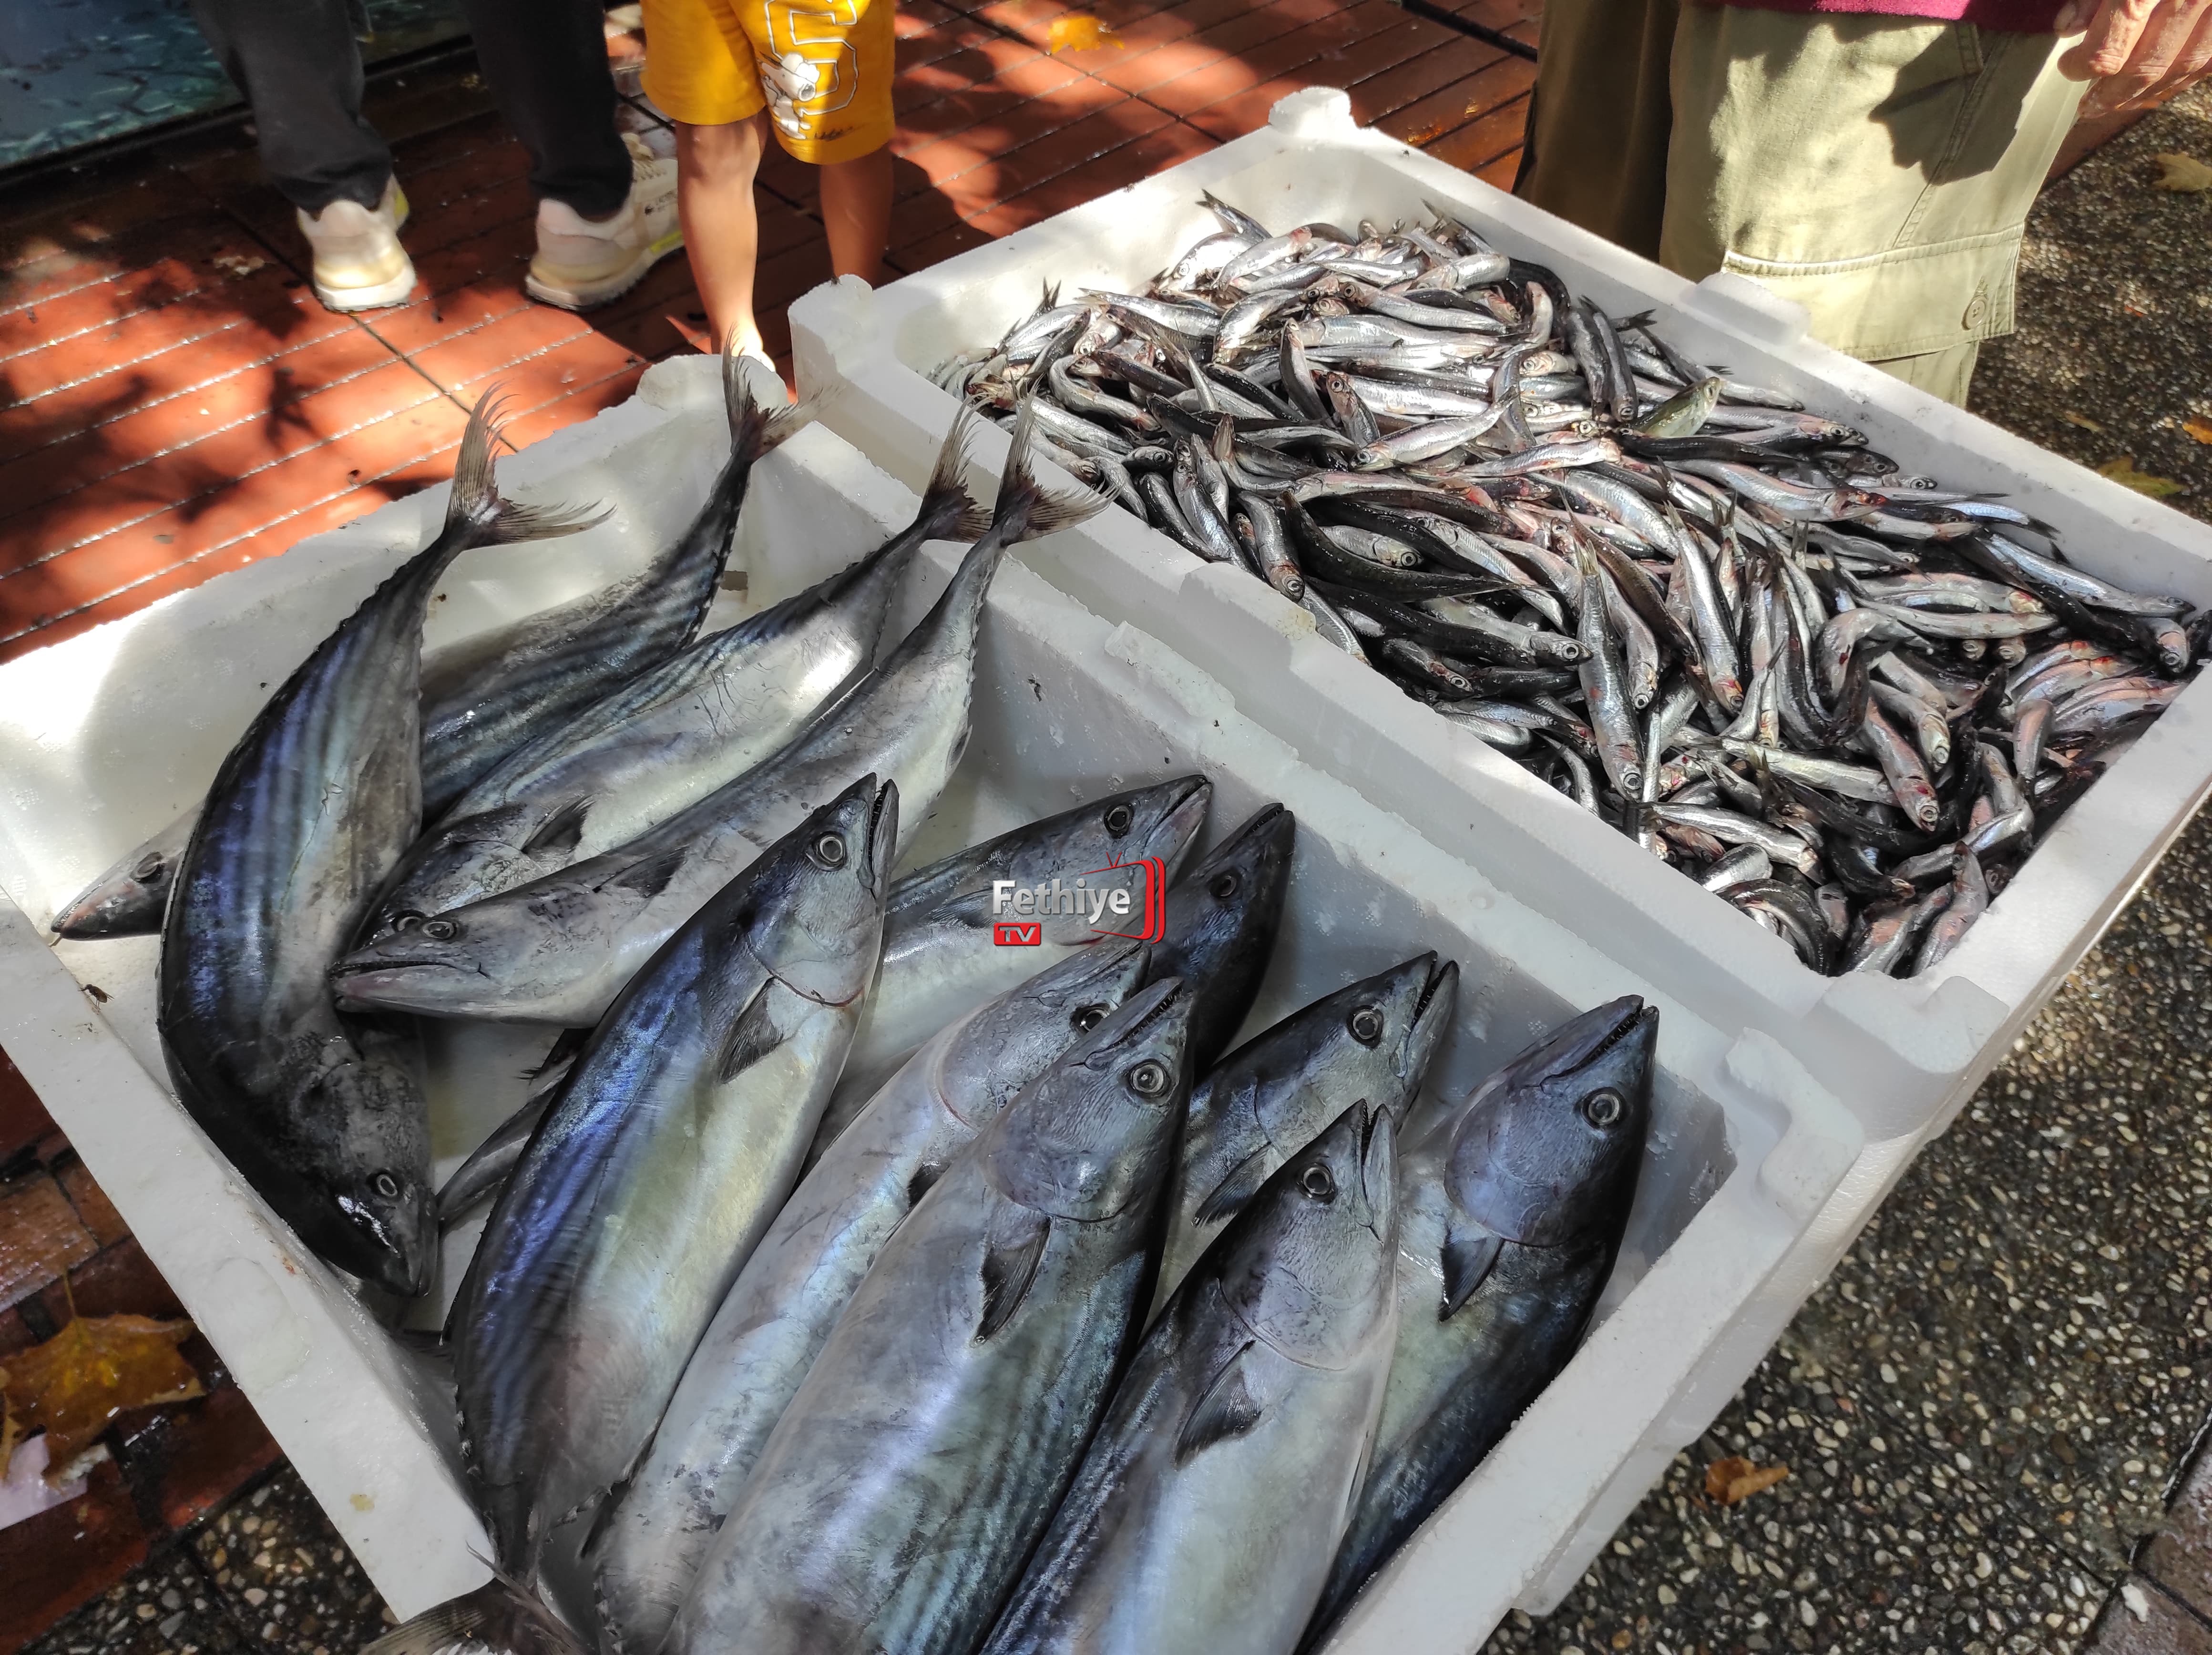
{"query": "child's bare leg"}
(715, 166)
(856, 210)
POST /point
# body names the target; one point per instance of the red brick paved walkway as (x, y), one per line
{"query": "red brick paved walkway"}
(175, 404)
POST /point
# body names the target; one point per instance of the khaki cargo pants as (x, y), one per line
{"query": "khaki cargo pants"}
(1877, 170)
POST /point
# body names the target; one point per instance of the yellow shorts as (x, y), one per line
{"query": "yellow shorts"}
(822, 68)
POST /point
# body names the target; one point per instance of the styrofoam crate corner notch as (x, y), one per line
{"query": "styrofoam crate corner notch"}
(1316, 112)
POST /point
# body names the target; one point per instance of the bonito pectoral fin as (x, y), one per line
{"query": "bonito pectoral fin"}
(1228, 1409)
(1012, 1253)
(1468, 1257)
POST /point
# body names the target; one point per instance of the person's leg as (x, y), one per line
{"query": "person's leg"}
(546, 63)
(715, 166)
(1877, 170)
(856, 213)
(826, 75)
(1599, 122)
(299, 66)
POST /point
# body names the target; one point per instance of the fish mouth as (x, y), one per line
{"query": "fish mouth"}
(883, 829)
(1181, 818)
(370, 984)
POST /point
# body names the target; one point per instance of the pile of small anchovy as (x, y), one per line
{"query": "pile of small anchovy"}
(1847, 700)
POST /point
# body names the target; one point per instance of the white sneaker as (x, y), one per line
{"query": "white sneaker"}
(359, 262)
(580, 263)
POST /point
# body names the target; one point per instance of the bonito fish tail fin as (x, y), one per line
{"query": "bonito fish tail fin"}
(1024, 509)
(946, 499)
(477, 510)
(500, 1614)
(755, 430)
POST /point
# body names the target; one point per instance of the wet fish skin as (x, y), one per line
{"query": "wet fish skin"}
(781, 1309)
(940, 960)
(310, 810)
(929, 1443)
(558, 950)
(555, 664)
(1369, 1042)
(673, 735)
(1221, 921)
(1205, 1517)
(670, 1150)
(1511, 1210)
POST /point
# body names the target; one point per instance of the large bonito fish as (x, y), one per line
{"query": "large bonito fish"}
(1511, 1208)
(783, 1304)
(924, 1454)
(310, 811)
(669, 1148)
(1206, 1513)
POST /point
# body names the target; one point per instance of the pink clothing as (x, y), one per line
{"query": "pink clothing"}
(2015, 16)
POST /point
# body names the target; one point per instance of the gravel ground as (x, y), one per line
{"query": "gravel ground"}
(1985, 1409)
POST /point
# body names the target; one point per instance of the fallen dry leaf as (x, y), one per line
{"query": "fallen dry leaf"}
(1078, 31)
(2083, 420)
(2123, 472)
(2199, 429)
(2183, 172)
(92, 1370)
(1731, 1482)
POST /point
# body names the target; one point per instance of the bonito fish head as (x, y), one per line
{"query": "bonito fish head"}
(816, 918)
(1021, 1034)
(1548, 1152)
(1309, 1262)
(1094, 1133)
(373, 1168)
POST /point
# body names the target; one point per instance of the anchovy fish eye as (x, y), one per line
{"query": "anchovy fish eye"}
(1087, 1018)
(1604, 1109)
(1120, 820)
(1224, 885)
(828, 851)
(1317, 1182)
(1366, 1025)
(147, 866)
(445, 931)
(1150, 1079)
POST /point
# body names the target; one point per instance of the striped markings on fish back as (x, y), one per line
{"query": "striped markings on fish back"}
(1013, 1248)
(1228, 1409)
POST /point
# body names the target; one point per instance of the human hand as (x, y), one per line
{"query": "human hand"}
(2135, 52)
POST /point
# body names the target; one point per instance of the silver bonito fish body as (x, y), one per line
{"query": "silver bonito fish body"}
(670, 1150)
(671, 736)
(1511, 1208)
(558, 950)
(1369, 1042)
(925, 1452)
(310, 811)
(788, 1297)
(1205, 1517)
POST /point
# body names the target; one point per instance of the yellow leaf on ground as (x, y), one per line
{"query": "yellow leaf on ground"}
(2123, 472)
(2199, 429)
(2083, 420)
(1079, 31)
(1731, 1482)
(92, 1370)
(2183, 172)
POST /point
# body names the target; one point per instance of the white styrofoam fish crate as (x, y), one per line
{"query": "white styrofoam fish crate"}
(1903, 1055)
(105, 738)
